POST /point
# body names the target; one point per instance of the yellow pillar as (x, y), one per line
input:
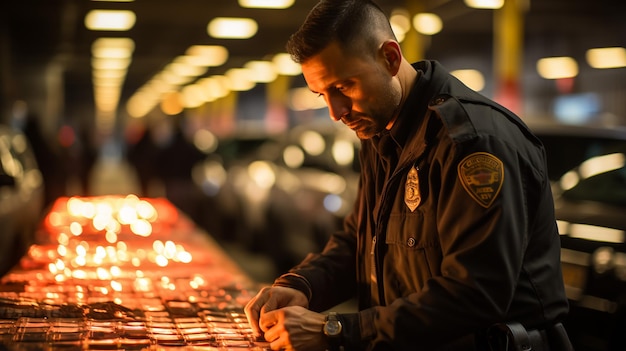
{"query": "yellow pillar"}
(276, 115)
(508, 29)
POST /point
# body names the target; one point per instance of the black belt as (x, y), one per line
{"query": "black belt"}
(515, 337)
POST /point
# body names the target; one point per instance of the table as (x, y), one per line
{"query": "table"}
(123, 272)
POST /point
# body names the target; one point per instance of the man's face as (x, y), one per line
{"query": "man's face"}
(359, 91)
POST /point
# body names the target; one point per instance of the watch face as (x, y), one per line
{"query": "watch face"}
(332, 327)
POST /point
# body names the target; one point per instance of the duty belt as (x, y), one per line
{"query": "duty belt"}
(514, 336)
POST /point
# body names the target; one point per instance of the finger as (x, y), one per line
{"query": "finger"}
(267, 321)
(253, 310)
(270, 305)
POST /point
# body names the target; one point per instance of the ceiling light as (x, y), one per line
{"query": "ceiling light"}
(613, 57)
(557, 67)
(485, 4)
(172, 104)
(470, 77)
(285, 65)
(232, 28)
(400, 23)
(185, 70)
(215, 86)
(427, 23)
(239, 79)
(116, 20)
(266, 4)
(208, 55)
(122, 43)
(110, 63)
(400, 19)
(261, 71)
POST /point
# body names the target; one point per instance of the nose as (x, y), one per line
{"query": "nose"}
(338, 106)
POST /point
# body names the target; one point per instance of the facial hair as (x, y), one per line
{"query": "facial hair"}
(369, 123)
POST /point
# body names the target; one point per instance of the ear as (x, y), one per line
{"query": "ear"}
(392, 55)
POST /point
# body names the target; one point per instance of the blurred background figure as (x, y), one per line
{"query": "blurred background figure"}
(46, 153)
(163, 158)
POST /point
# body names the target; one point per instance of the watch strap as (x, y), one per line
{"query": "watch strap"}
(334, 341)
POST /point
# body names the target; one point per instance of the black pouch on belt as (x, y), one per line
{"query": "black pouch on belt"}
(514, 337)
(508, 337)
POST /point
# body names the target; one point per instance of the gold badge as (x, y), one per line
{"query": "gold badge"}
(482, 175)
(412, 195)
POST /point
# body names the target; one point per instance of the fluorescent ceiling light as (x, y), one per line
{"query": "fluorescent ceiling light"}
(112, 48)
(427, 23)
(110, 64)
(285, 65)
(115, 20)
(470, 77)
(240, 79)
(261, 71)
(557, 67)
(485, 4)
(232, 28)
(266, 4)
(613, 57)
(207, 55)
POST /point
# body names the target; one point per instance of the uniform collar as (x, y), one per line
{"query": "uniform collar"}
(414, 108)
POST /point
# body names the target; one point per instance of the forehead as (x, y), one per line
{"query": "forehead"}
(330, 65)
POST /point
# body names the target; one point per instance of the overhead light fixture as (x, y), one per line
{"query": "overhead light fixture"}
(240, 79)
(266, 4)
(427, 23)
(285, 65)
(218, 86)
(232, 28)
(261, 71)
(400, 21)
(180, 66)
(110, 63)
(207, 55)
(470, 77)
(557, 67)
(114, 20)
(485, 4)
(613, 57)
(113, 48)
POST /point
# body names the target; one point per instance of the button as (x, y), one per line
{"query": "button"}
(410, 242)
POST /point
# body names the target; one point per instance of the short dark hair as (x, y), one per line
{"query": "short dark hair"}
(349, 22)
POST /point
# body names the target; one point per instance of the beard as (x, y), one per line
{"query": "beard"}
(377, 117)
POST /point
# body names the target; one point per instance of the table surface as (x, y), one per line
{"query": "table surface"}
(122, 272)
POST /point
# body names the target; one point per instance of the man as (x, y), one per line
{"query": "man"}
(453, 230)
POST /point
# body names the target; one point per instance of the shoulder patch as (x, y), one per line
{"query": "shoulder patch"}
(482, 175)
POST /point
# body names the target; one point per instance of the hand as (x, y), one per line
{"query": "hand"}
(272, 298)
(294, 328)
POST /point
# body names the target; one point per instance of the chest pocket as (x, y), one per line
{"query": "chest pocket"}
(413, 253)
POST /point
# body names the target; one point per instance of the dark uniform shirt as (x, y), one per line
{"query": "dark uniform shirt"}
(453, 229)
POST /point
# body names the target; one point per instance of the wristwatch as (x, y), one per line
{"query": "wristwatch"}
(332, 329)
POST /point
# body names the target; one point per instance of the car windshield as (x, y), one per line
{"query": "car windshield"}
(587, 168)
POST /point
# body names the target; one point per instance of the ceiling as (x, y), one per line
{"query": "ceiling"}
(36, 33)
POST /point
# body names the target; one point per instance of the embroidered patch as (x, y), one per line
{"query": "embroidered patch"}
(412, 195)
(482, 175)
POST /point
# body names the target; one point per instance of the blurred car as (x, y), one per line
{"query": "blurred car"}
(21, 197)
(587, 169)
(283, 195)
(223, 218)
